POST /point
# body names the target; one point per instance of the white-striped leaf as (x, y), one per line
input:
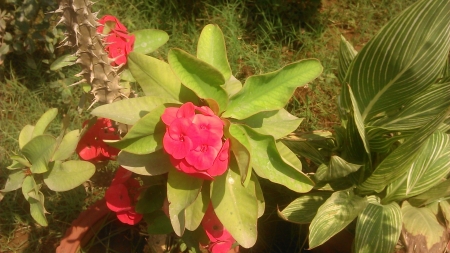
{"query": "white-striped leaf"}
(433, 162)
(303, 209)
(337, 168)
(359, 122)
(422, 230)
(334, 215)
(378, 228)
(399, 161)
(418, 111)
(346, 55)
(405, 58)
(439, 191)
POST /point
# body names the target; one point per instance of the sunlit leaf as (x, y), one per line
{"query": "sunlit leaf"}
(440, 190)
(67, 146)
(148, 40)
(129, 111)
(145, 136)
(37, 209)
(337, 168)
(44, 121)
(14, 181)
(182, 190)
(378, 228)
(38, 151)
(196, 211)
(25, 135)
(422, 229)
(68, 175)
(271, 91)
(334, 215)
(236, 206)
(211, 49)
(199, 76)
(303, 209)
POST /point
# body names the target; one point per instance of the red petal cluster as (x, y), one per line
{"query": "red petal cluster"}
(91, 146)
(221, 239)
(118, 42)
(194, 141)
(122, 196)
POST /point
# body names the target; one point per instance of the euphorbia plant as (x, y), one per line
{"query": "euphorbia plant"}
(212, 135)
(387, 164)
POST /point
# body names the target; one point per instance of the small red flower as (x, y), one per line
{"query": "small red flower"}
(221, 239)
(91, 146)
(122, 196)
(118, 42)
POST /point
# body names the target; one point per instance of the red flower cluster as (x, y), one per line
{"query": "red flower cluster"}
(221, 239)
(122, 196)
(194, 141)
(91, 146)
(118, 42)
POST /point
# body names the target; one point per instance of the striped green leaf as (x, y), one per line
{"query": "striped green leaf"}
(442, 189)
(405, 58)
(334, 215)
(422, 230)
(433, 162)
(346, 55)
(378, 228)
(337, 168)
(303, 209)
(400, 160)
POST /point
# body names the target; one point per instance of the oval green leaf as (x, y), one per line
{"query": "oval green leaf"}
(148, 40)
(68, 175)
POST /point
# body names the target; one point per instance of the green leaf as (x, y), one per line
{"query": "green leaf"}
(288, 156)
(151, 199)
(129, 111)
(25, 135)
(303, 209)
(241, 148)
(276, 123)
(37, 209)
(14, 181)
(145, 136)
(63, 61)
(211, 49)
(39, 151)
(199, 76)
(305, 148)
(157, 79)
(232, 86)
(67, 146)
(19, 162)
(44, 121)
(29, 185)
(259, 195)
(68, 175)
(403, 59)
(127, 76)
(399, 161)
(236, 206)
(267, 162)
(158, 223)
(442, 189)
(432, 162)
(152, 164)
(422, 230)
(346, 54)
(378, 228)
(271, 91)
(334, 215)
(148, 40)
(359, 123)
(196, 211)
(182, 190)
(337, 168)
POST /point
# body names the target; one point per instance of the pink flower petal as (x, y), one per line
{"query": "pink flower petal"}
(117, 198)
(205, 110)
(187, 111)
(220, 165)
(122, 175)
(169, 115)
(220, 246)
(205, 151)
(129, 217)
(213, 227)
(212, 124)
(185, 167)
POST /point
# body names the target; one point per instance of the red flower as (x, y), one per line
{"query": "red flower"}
(118, 42)
(194, 141)
(91, 146)
(221, 239)
(122, 196)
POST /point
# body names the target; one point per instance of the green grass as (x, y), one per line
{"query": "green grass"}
(258, 41)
